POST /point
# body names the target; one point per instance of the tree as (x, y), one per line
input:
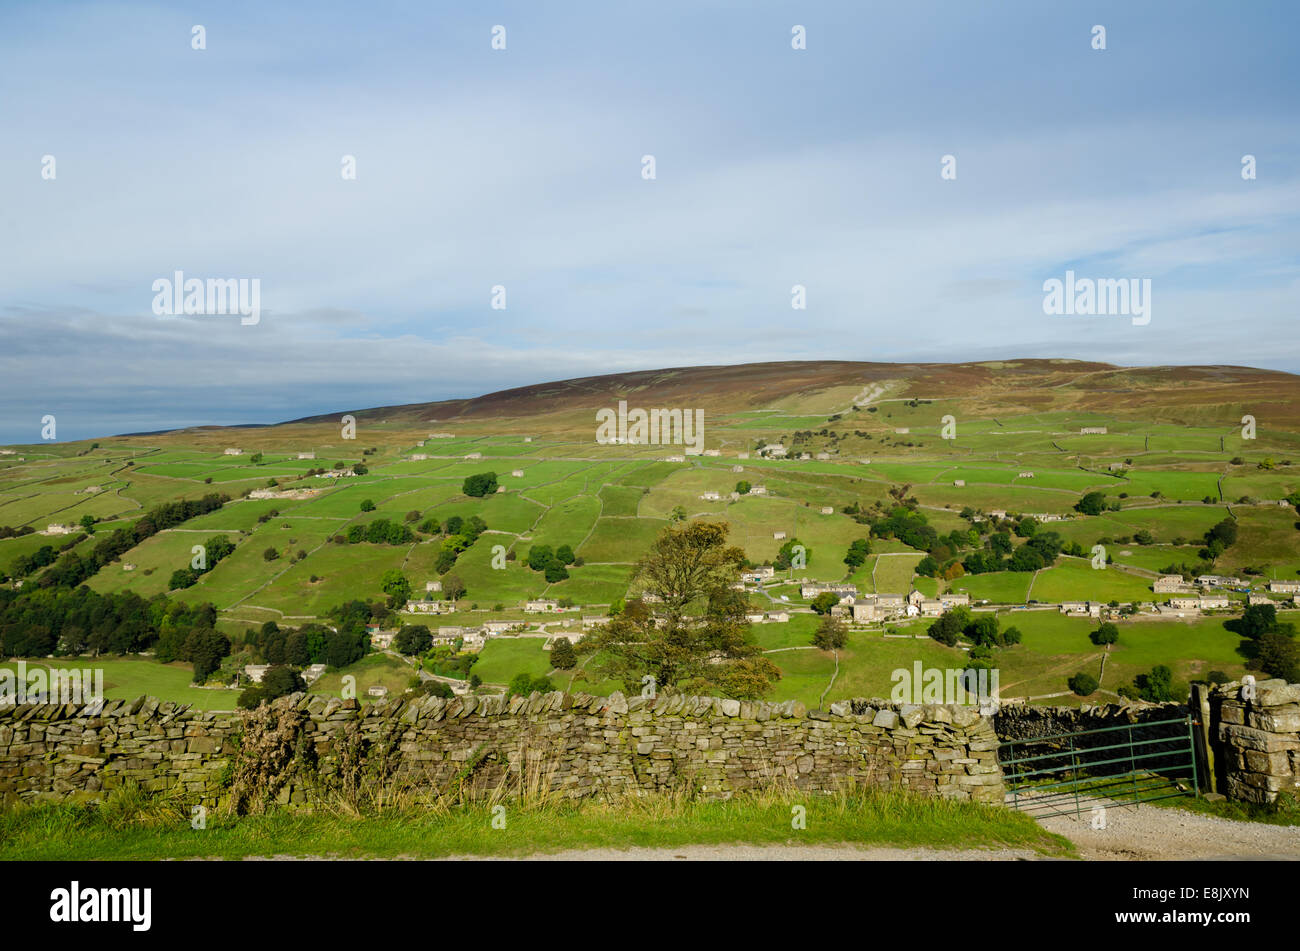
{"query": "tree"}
(453, 588)
(1157, 686)
(270, 554)
(858, 552)
(1025, 559)
(205, 647)
(564, 555)
(367, 505)
(1279, 656)
(480, 484)
(413, 639)
(823, 603)
(701, 641)
(1255, 621)
(88, 524)
(396, 585)
(743, 487)
(1084, 684)
(1094, 503)
(678, 514)
(785, 558)
(1107, 633)
(563, 657)
(831, 634)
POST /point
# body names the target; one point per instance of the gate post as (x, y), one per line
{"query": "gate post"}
(1203, 749)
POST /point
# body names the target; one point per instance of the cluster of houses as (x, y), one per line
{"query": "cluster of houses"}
(1205, 593)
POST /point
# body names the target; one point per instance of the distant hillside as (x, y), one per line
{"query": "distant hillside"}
(1176, 394)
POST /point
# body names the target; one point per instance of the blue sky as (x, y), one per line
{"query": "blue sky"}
(522, 167)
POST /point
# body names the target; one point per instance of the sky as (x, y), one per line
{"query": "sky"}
(523, 168)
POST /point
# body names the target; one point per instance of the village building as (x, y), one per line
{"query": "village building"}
(864, 462)
(902, 432)
(1217, 581)
(778, 617)
(306, 455)
(778, 536)
(710, 496)
(742, 455)
(594, 620)
(674, 458)
(516, 473)
(737, 468)
(758, 490)
(931, 607)
(773, 450)
(419, 456)
(473, 455)
(810, 589)
(1185, 603)
(1025, 475)
(541, 606)
(382, 640)
(997, 513)
(959, 482)
(500, 627)
(254, 672)
(804, 456)
(1116, 466)
(754, 617)
(446, 436)
(713, 452)
(1092, 431)
(1215, 602)
(377, 690)
(915, 597)
(758, 575)
(823, 455)
(953, 599)
(1256, 597)
(1169, 584)
(234, 452)
(431, 607)
(431, 586)
(1284, 587)
(893, 603)
(58, 530)
(828, 510)
(313, 673)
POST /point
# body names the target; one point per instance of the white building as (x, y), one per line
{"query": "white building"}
(828, 510)
(517, 473)
(1284, 587)
(306, 455)
(234, 452)
(541, 606)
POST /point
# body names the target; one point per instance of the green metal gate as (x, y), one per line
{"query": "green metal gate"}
(1068, 773)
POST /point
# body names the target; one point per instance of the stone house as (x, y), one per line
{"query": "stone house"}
(234, 452)
(1092, 431)
(541, 606)
(1169, 584)
(1284, 587)
(828, 510)
(516, 473)
(778, 536)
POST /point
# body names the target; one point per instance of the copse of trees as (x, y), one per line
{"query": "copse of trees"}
(480, 484)
(984, 630)
(563, 656)
(381, 531)
(39, 622)
(857, 553)
(552, 562)
(73, 569)
(276, 682)
(215, 548)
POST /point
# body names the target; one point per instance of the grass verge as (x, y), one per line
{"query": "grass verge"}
(130, 825)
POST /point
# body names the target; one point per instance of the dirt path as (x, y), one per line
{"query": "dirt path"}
(1156, 833)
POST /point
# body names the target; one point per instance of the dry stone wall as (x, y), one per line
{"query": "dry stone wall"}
(574, 745)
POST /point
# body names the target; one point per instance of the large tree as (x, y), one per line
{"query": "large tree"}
(694, 636)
